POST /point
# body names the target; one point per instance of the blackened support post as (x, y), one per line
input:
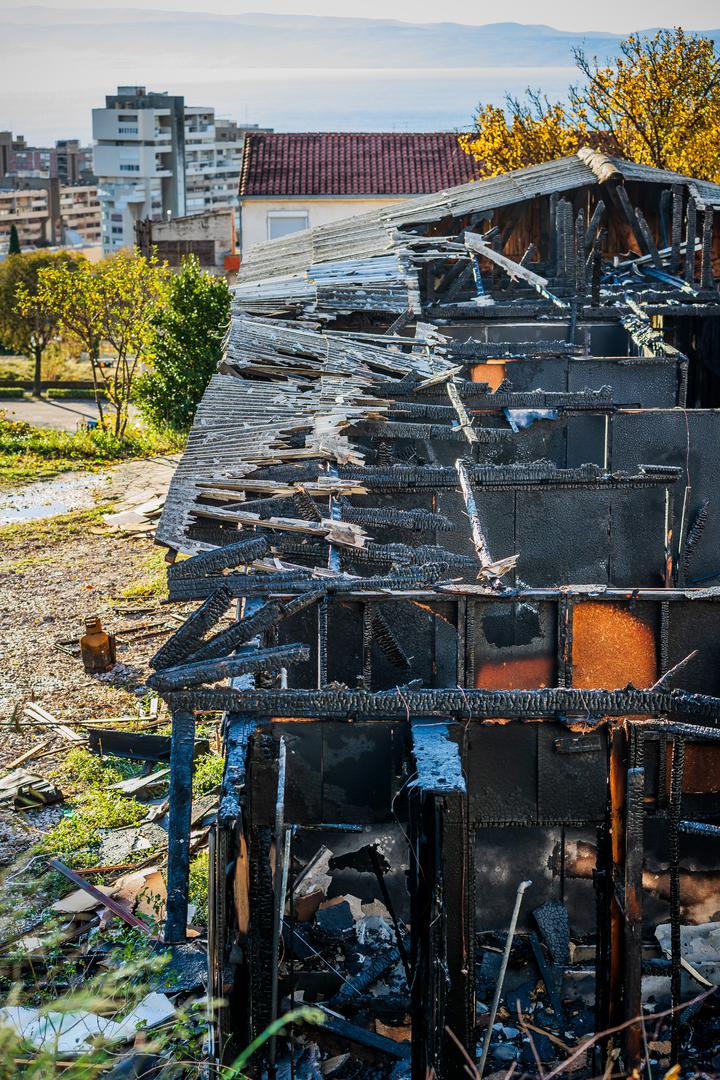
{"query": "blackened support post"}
(676, 230)
(617, 791)
(634, 846)
(706, 271)
(442, 993)
(180, 797)
(690, 242)
(675, 811)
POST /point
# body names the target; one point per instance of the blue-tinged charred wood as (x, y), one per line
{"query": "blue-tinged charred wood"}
(352, 993)
(649, 239)
(238, 729)
(224, 558)
(402, 555)
(180, 798)
(209, 671)
(347, 1032)
(185, 639)
(305, 507)
(593, 224)
(442, 907)
(245, 630)
(540, 473)
(549, 975)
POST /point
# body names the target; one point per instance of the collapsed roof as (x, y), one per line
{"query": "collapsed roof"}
(459, 469)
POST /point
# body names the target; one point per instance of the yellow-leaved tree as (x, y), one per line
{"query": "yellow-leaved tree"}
(113, 302)
(657, 102)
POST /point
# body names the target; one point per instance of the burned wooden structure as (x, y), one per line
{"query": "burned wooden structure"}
(457, 476)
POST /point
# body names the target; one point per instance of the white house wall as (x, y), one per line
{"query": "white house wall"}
(320, 211)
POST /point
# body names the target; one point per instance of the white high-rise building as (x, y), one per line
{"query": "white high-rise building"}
(155, 157)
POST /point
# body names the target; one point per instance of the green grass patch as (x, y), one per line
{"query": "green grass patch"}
(53, 530)
(77, 835)
(30, 453)
(80, 767)
(152, 583)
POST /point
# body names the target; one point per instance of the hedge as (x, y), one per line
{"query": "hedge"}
(12, 392)
(67, 393)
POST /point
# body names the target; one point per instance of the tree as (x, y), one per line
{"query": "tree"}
(113, 301)
(657, 103)
(14, 241)
(26, 322)
(185, 347)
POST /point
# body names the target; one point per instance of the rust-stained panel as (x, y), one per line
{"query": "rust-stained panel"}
(701, 769)
(518, 673)
(611, 647)
(491, 372)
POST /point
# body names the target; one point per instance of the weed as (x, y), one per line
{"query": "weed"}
(79, 832)
(198, 890)
(90, 770)
(153, 583)
(208, 774)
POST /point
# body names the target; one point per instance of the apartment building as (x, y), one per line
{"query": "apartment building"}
(156, 157)
(46, 212)
(67, 160)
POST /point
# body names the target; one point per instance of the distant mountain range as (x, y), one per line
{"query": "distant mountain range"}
(300, 41)
(282, 70)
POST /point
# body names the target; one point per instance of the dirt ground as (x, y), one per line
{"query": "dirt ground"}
(54, 573)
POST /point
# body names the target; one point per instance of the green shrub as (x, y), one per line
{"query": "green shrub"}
(68, 393)
(186, 346)
(11, 392)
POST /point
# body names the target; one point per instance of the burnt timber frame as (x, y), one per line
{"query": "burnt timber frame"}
(332, 471)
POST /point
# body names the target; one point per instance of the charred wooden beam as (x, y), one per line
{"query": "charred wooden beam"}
(468, 703)
(185, 639)
(240, 633)
(224, 558)
(208, 671)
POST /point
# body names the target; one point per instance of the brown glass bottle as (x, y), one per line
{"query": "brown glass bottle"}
(97, 648)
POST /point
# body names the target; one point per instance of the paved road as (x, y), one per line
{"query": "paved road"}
(61, 415)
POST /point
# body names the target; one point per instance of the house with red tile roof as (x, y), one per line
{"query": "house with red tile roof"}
(298, 180)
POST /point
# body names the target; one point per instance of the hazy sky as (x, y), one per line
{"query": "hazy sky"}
(612, 15)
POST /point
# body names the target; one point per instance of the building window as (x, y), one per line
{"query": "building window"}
(129, 168)
(127, 131)
(284, 222)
